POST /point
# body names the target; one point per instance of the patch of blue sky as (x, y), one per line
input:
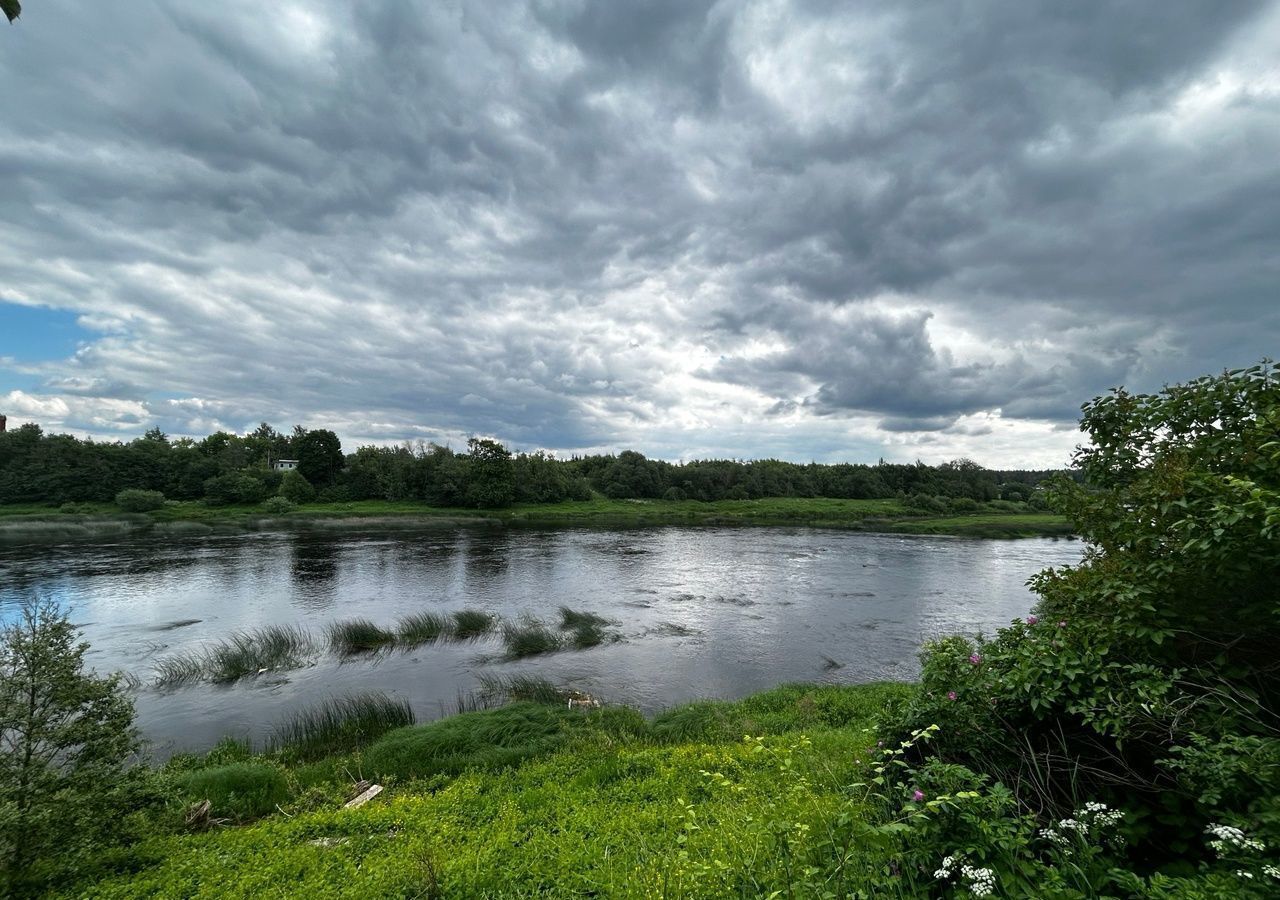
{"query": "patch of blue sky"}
(36, 333)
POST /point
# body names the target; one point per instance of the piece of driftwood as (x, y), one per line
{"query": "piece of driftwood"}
(198, 814)
(373, 791)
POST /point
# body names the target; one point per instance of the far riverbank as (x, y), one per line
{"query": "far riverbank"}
(106, 521)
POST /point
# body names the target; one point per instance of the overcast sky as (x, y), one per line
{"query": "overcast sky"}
(805, 229)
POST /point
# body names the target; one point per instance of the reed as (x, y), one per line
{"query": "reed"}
(423, 628)
(339, 725)
(516, 688)
(270, 648)
(529, 638)
(179, 669)
(471, 623)
(571, 618)
(358, 636)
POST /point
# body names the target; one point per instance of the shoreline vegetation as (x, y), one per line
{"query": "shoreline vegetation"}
(43, 523)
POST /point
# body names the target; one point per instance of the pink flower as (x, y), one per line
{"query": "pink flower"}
(1032, 620)
(917, 796)
(975, 659)
(951, 695)
(1062, 624)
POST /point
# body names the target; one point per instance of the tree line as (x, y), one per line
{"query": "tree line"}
(225, 468)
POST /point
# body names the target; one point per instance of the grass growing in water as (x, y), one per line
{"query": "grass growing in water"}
(517, 688)
(471, 623)
(358, 636)
(571, 618)
(529, 638)
(423, 628)
(173, 671)
(340, 725)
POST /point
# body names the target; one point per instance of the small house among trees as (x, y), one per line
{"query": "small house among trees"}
(284, 465)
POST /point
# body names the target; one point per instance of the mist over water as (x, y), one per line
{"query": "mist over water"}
(701, 612)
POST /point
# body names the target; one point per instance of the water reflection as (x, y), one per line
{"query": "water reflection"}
(703, 612)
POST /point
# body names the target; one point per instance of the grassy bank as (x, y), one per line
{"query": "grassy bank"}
(529, 799)
(36, 522)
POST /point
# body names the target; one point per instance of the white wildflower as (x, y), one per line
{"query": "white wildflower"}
(948, 866)
(1241, 873)
(1271, 872)
(1228, 837)
(982, 882)
(1074, 825)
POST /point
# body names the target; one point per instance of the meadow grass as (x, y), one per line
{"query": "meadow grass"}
(358, 636)
(538, 800)
(471, 623)
(423, 628)
(529, 638)
(339, 725)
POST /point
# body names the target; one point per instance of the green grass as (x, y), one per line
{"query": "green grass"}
(570, 618)
(240, 791)
(536, 800)
(529, 638)
(471, 623)
(339, 725)
(271, 648)
(423, 628)
(513, 688)
(358, 636)
(866, 515)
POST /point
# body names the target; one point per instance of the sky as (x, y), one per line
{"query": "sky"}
(798, 229)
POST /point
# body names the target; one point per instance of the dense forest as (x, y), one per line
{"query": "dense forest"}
(224, 468)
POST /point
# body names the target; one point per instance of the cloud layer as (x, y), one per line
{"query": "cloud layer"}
(800, 228)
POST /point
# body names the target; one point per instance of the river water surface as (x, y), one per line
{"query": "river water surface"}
(702, 612)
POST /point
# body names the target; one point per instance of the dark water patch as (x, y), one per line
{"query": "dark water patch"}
(178, 623)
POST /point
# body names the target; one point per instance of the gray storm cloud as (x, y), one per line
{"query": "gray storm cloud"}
(804, 229)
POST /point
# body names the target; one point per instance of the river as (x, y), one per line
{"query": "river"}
(700, 612)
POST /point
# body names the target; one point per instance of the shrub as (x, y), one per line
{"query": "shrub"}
(241, 791)
(1164, 633)
(134, 500)
(295, 487)
(279, 505)
(234, 487)
(67, 739)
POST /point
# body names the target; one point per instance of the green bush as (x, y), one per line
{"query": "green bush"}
(235, 487)
(295, 487)
(134, 500)
(1146, 674)
(241, 791)
(279, 505)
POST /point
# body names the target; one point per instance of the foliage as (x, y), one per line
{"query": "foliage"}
(295, 487)
(358, 636)
(320, 456)
(529, 638)
(1147, 674)
(279, 505)
(11, 9)
(134, 500)
(66, 737)
(241, 791)
(491, 476)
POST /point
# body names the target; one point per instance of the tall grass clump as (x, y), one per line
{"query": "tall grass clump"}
(490, 739)
(423, 628)
(471, 623)
(586, 629)
(339, 725)
(179, 669)
(271, 647)
(240, 791)
(571, 618)
(529, 638)
(358, 636)
(522, 688)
